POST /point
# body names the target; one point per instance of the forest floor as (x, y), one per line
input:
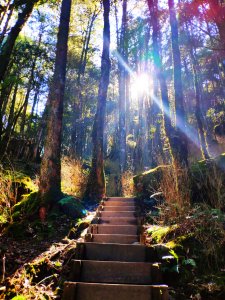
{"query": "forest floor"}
(36, 264)
(35, 256)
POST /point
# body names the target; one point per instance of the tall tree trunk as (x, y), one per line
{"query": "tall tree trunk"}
(32, 114)
(29, 89)
(179, 144)
(122, 90)
(8, 130)
(76, 135)
(4, 96)
(96, 184)
(153, 8)
(198, 112)
(4, 11)
(6, 50)
(50, 175)
(2, 35)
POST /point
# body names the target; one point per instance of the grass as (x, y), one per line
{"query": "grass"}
(74, 177)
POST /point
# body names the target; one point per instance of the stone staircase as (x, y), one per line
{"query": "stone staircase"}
(111, 263)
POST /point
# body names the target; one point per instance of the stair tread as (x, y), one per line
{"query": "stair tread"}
(111, 263)
(116, 272)
(115, 238)
(116, 234)
(97, 291)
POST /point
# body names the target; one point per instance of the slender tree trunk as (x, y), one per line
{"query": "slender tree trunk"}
(50, 175)
(2, 35)
(7, 48)
(165, 106)
(198, 112)
(122, 91)
(4, 11)
(155, 112)
(5, 94)
(77, 139)
(180, 144)
(96, 184)
(8, 130)
(29, 89)
(32, 114)
(86, 49)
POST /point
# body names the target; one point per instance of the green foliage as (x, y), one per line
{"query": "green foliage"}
(149, 181)
(28, 206)
(72, 207)
(207, 181)
(19, 297)
(13, 186)
(189, 262)
(216, 114)
(159, 233)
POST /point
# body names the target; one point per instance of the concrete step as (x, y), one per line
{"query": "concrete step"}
(115, 238)
(116, 272)
(118, 203)
(98, 291)
(115, 252)
(120, 199)
(118, 220)
(115, 214)
(113, 229)
(119, 208)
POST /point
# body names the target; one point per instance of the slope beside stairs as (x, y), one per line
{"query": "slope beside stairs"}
(111, 263)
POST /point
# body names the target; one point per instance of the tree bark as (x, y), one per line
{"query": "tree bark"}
(8, 130)
(2, 35)
(180, 144)
(50, 175)
(96, 184)
(167, 125)
(122, 90)
(76, 135)
(198, 112)
(8, 45)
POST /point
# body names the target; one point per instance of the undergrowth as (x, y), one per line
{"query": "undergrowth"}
(127, 184)
(193, 230)
(13, 185)
(74, 177)
(202, 222)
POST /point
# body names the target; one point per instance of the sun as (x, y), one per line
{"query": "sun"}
(141, 85)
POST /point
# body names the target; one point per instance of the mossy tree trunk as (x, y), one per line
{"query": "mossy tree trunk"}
(96, 184)
(50, 177)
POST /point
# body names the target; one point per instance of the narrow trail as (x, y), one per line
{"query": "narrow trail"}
(111, 263)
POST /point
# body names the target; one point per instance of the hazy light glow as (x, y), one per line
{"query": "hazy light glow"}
(141, 85)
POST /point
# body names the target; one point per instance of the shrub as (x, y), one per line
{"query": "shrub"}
(12, 186)
(74, 177)
(127, 184)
